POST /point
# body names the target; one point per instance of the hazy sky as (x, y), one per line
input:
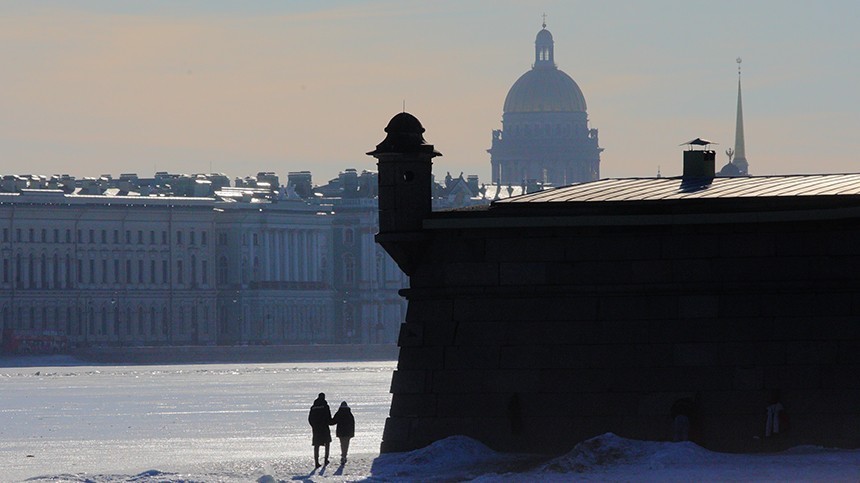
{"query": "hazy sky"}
(91, 87)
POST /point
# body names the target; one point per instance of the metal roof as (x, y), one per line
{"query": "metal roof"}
(676, 188)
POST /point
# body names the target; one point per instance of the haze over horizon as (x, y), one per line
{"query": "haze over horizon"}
(240, 87)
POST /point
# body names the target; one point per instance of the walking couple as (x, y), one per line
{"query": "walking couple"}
(320, 419)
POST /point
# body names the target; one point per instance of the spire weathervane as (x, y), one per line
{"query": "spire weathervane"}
(739, 66)
(544, 19)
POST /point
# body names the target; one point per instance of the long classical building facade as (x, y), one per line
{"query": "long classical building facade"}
(133, 264)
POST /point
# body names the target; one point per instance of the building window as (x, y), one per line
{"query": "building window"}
(164, 238)
(128, 271)
(104, 272)
(152, 237)
(165, 321)
(203, 238)
(104, 237)
(68, 236)
(56, 271)
(116, 236)
(180, 320)
(17, 234)
(116, 276)
(348, 236)
(5, 234)
(140, 271)
(56, 235)
(223, 271)
(92, 238)
(152, 321)
(193, 277)
(192, 238)
(204, 272)
(179, 279)
(178, 237)
(18, 270)
(256, 239)
(152, 272)
(68, 270)
(128, 237)
(31, 235)
(140, 237)
(348, 269)
(165, 272)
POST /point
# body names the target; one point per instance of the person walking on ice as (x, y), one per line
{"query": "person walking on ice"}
(345, 428)
(319, 418)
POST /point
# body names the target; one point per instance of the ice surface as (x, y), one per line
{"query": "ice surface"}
(99, 420)
(248, 423)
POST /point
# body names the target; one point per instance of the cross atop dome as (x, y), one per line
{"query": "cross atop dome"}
(544, 19)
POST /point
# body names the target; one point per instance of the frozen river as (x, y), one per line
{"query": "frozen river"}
(127, 419)
(234, 423)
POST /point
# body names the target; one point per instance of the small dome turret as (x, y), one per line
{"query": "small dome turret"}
(544, 49)
(404, 135)
(545, 88)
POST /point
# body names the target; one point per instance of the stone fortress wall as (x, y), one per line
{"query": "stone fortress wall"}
(532, 327)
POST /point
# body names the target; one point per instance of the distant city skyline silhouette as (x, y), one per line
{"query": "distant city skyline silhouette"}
(109, 87)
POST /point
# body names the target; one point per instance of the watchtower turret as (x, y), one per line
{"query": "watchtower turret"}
(405, 162)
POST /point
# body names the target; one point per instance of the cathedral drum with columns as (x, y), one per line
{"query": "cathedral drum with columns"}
(545, 135)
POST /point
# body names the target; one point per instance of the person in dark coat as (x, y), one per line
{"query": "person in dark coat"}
(345, 428)
(320, 419)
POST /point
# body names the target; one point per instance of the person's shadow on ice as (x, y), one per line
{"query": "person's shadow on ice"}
(307, 478)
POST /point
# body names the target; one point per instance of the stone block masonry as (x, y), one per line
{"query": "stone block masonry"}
(610, 343)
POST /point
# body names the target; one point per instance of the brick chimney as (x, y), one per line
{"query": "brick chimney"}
(699, 163)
